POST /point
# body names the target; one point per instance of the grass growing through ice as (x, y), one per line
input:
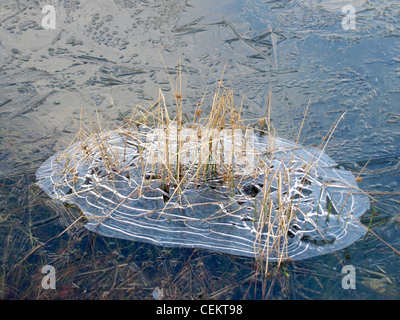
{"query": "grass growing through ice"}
(166, 160)
(191, 279)
(177, 175)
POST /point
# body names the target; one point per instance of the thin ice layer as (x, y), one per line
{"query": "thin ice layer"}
(325, 202)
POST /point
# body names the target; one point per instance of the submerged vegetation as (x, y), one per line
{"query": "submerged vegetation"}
(174, 158)
(217, 182)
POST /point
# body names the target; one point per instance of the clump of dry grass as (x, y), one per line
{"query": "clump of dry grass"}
(166, 160)
(178, 154)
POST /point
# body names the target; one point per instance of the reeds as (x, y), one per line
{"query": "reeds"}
(176, 154)
(166, 163)
(165, 159)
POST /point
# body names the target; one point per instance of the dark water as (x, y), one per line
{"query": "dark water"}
(106, 55)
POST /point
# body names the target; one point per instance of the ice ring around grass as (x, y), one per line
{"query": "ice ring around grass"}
(294, 203)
